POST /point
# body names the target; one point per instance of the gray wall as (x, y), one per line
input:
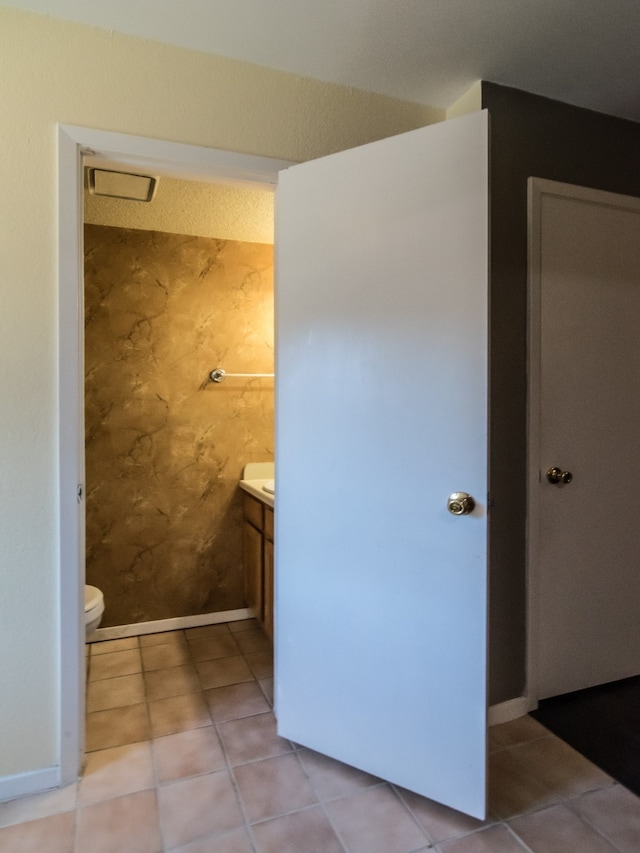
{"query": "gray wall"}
(530, 136)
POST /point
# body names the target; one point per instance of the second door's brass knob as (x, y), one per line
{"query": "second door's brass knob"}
(557, 476)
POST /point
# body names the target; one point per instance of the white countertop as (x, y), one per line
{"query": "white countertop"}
(254, 488)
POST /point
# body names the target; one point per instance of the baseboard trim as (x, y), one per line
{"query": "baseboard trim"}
(117, 632)
(504, 712)
(32, 782)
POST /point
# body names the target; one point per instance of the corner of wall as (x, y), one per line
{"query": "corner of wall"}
(470, 102)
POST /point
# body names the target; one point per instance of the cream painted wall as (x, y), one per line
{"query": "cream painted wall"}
(54, 72)
(186, 207)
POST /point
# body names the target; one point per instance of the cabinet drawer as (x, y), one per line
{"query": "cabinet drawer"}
(268, 522)
(252, 511)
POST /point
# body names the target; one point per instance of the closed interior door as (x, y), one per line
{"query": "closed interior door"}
(586, 317)
(381, 593)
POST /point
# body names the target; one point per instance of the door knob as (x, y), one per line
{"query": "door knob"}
(558, 476)
(460, 503)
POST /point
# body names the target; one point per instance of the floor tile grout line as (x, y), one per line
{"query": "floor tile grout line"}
(230, 767)
(592, 826)
(520, 743)
(560, 802)
(408, 808)
(156, 790)
(319, 802)
(235, 785)
(225, 755)
(520, 840)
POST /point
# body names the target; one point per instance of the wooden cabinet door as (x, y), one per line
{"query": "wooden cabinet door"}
(268, 589)
(252, 547)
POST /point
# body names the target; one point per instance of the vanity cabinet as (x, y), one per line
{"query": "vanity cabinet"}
(258, 560)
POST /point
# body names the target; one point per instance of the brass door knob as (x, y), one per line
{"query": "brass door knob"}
(460, 503)
(557, 476)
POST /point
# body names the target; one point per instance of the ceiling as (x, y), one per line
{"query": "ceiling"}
(583, 52)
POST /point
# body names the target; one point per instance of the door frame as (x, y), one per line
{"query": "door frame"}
(537, 188)
(77, 147)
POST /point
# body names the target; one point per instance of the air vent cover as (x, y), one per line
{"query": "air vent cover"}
(121, 185)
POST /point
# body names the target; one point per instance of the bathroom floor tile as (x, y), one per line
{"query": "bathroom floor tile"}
(162, 638)
(178, 714)
(236, 841)
(273, 787)
(173, 681)
(330, 778)
(252, 738)
(308, 830)
(561, 769)
(613, 811)
(211, 648)
(113, 772)
(376, 821)
(187, 812)
(514, 732)
(113, 664)
(219, 673)
(165, 655)
(495, 839)
(124, 823)
(101, 647)
(117, 726)
(514, 786)
(203, 632)
(54, 834)
(437, 820)
(556, 830)
(35, 806)
(236, 700)
(254, 641)
(115, 692)
(190, 753)
(260, 663)
(242, 625)
(267, 687)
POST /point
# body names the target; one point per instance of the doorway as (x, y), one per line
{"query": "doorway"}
(174, 288)
(584, 406)
(75, 146)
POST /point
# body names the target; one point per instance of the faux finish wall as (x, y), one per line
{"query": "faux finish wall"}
(164, 447)
(50, 72)
(530, 136)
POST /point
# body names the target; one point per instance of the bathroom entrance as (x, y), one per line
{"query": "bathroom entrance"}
(174, 288)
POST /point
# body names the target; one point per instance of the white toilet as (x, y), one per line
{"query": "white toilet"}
(93, 608)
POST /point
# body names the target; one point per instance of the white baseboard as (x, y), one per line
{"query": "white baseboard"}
(32, 782)
(504, 712)
(177, 623)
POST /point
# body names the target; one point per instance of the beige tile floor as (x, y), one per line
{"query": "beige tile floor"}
(183, 755)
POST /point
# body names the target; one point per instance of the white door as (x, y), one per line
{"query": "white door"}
(585, 288)
(381, 592)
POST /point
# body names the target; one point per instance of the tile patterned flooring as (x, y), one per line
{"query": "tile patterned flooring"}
(183, 756)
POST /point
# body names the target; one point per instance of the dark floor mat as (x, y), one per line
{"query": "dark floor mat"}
(602, 723)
